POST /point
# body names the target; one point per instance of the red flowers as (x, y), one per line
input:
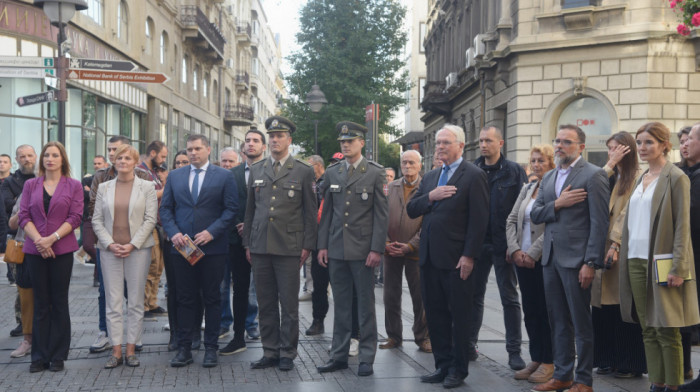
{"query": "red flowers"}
(683, 29)
(689, 14)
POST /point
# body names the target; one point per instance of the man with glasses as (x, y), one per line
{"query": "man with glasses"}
(573, 205)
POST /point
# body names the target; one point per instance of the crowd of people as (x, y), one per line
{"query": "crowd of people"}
(603, 257)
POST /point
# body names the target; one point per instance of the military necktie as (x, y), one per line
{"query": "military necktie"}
(276, 167)
(351, 171)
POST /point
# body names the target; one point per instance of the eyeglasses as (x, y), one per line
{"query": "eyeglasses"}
(564, 142)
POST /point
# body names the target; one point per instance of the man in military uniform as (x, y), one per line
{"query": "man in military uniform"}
(351, 242)
(279, 232)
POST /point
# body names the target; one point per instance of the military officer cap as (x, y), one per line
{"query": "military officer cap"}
(349, 130)
(280, 124)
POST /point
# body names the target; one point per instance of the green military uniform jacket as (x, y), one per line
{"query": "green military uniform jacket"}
(354, 219)
(280, 216)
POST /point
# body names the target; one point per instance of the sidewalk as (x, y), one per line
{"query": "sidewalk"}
(395, 370)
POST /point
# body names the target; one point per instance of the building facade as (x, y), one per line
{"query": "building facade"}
(203, 46)
(530, 66)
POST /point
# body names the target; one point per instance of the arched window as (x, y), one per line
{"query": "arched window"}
(149, 35)
(123, 22)
(184, 69)
(163, 47)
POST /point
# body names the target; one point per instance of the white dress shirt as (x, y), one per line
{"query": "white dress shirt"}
(562, 175)
(639, 220)
(201, 176)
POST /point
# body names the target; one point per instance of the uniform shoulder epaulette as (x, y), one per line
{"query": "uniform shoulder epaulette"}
(375, 164)
(333, 164)
(303, 162)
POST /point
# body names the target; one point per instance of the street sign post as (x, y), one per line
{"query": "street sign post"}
(115, 76)
(106, 65)
(27, 100)
(27, 62)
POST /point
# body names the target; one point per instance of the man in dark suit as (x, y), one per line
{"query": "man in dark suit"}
(199, 200)
(351, 240)
(279, 234)
(573, 205)
(454, 204)
(239, 266)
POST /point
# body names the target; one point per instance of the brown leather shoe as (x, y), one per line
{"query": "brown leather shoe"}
(581, 388)
(390, 343)
(425, 346)
(553, 385)
(523, 374)
(543, 373)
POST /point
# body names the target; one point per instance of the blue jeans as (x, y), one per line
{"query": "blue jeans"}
(250, 322)
(226, 314)
(102, 324)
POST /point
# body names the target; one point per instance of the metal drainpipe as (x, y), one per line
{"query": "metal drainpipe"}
(482, 88)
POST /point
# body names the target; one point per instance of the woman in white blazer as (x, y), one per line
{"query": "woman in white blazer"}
(126, 209)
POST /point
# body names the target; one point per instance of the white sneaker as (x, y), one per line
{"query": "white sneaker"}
(354, 347)
(166, 327)
(101, 343)
(24, 348)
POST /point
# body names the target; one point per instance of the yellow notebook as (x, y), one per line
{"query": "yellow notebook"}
(662, 266)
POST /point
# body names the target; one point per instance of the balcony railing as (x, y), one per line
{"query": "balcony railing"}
(244, 31)
(192, 17)
(238, 114)
(435, 99)
(243, 78)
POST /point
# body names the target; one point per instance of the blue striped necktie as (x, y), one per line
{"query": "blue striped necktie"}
(443, 176)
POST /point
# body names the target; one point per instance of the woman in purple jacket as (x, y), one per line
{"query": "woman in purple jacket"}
(51, 209)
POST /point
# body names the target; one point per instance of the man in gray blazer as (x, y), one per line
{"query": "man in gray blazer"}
(573, 205)
(351, 241)
(279, 233)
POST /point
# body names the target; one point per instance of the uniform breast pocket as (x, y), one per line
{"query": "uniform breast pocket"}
(292, 190)
(364, 193)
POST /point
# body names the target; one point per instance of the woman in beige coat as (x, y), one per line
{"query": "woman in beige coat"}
(525, 251)
(658, 223)
(618, 346)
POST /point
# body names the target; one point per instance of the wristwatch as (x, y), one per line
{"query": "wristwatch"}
(593, 265)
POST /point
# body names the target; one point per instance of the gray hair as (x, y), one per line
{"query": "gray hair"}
(420, 158)
(455, 130)
(316, 159)
(227, 149)
(22, 147)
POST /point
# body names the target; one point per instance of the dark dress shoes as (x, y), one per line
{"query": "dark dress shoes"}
(183, 358)
(56, 366)
(286, 364)
(365, 369)
(233, 347)
(264, 363)
(452, 381)
(435, 377)
(38, 366)
(316, 328)
(210, 358)
(332, 366)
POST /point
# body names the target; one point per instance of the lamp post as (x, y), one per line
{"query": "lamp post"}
(316, 99)
(60, 12)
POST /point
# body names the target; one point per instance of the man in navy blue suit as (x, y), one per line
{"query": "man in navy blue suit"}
(199, 200)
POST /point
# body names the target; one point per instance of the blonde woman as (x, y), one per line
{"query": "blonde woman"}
(126, 210)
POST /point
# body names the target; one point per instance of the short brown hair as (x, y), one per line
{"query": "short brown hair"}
(65, 165)
(658, 131)
(126, 149)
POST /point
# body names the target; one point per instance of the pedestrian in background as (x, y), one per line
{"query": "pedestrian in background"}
(618, 346)
(50, 211)
(126, 210)
(525, 241)
(658, 228)
(24, 289)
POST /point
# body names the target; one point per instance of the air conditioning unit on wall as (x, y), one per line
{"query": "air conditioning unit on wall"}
(479, 46)
(470, 55)
(229, 63)
(451, 80)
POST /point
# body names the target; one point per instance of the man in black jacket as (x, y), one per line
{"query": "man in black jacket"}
(454, 203)
(506, 178)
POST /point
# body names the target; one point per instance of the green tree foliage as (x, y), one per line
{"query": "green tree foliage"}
(353, 50)
(389, 156)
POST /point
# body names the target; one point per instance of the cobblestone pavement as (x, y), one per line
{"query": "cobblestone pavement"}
(396, 370)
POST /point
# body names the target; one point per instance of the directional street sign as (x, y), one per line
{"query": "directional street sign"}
(32, 62)
(34, 73)
(114, 76)
(36, 98)
(106, 65)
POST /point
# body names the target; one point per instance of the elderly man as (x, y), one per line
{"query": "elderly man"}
(401, 252)
(228, 157)
(573, 205)
(454, 204)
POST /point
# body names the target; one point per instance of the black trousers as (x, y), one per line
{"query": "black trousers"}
(448, 302)
(194, 284)
(535, 311)
(319, 297)
(617, 344)
(51, 327)
(240, 269)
